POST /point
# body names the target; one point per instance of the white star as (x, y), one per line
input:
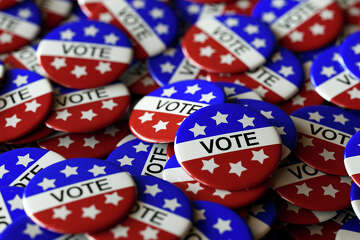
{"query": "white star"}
(259, 42)
(251, 29)
(12, 121)
(237, 168)
(315, 116)
(194, 187)
(317, 29)
(315, 229)
(340, 119)
(207, 97)
(296, 36)
(153, 190)
(65, 142)
(222, 225)
(32, 230)
(112, 130)
(64, 114)
(198, 130)
(67, 34)
(303, 189)
(160, 126)
(327, 14)
(231, 22)
(221, 193)
(209, 165)
(171, 204)
(20, 80)
(354, 11)
(32, 106)
(261, 91)
(58, 63)
(138, 4)
(259, 156)
(109, 104)
(5, 37)
(267, 114)
(120, 231)
(168, 92)
(247, 121)
(286, 71)
(125, 160)
(278, 4)
(3, 171)
(97, 170)
(113, 198)
(147, 81)
(193, 9)
(192, 89)
(167, 67)
(268, 17)
(146, 117)
(90, 212)
(346, 180)
(198, 214)
(103, 67)
(89, 114)
(330, 190)
(207, 51)
(170, 52)
(16, 203)
(111, 38)
(140, 147)
(24, 160)
(327, 155)
(79, 71)
(149, 233)
(356, 48)
(298, 100)
(305, 141)
(229, 91)
(354, 93)
(47, 183)
(227, 59)
(157, 13)
(91, 31)
(257, 209)
(276, 57)
(69, 171)
(105, 17)
(90, 142)
(220, 118)
(200, 37)
(280, 130)
(292, 207)
(61, 212)
(24, 13)
(162, 29)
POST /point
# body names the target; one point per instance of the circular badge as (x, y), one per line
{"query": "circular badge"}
(224, 146)
(276, 81)
(352, 158)
(175, 174)
(54, 11)
(349, 230)
(138, 79)
(140, 158)
(301, 25)
(229, 43)
(214, 221)
(323, 133)
(20, 25)
(25, 100)
(290, 213)
(162, 211)
(88, 110)
(152, 25)
(235, 92)
(79, 195)
(91, 145)
(20, 165)
(277, 118)
(309, 188)
(350, 54)
(84, 54)
(171, 66)
(157, 116)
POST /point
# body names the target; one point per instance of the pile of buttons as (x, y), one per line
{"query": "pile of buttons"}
(179, 119)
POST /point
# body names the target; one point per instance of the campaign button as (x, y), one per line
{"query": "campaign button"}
(277, 118)
(349, 52)
(20, 165)
(352, 158)
(54, 11)
(309, 188)
(157, 116)
(235, 92)
(195, 190)
(162, 211)
(140, 158)
(301, 25)
(40, 132)
(276, 81)
(214, 221)
(85, 54)
(25, 100)
(228, 146)
(349, 230)
(229, 43)
(138, 79)
(19, 25)
(323, 133)
(151, 25)
(79, 195)
(171, 66)
(88, 110)
(91, 145)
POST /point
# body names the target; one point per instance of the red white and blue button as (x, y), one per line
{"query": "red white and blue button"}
(352, 158)
(85, 54)
(350, 54)
(235, 92)
(233, 146)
